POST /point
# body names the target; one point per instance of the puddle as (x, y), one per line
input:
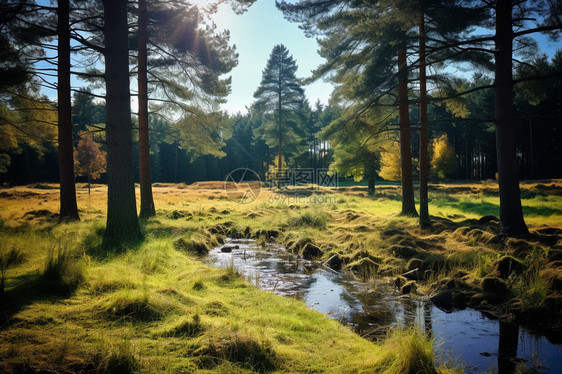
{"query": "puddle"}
(466, 337)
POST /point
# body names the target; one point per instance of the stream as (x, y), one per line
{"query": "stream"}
(466, 337)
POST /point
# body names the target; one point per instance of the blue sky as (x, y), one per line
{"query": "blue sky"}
(255, 33)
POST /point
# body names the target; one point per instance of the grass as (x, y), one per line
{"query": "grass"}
(408, 351)
(310, 218)
(72, 305)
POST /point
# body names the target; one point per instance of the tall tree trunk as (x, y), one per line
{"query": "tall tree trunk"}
(511, 213)
(424, 159)
(371, 174)
(408, 204)
(122, 222)
(280, 148)
(68, 206)
(147, 202)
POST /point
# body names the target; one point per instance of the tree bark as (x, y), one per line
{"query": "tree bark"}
(122, 222)
(424, 159)
(371, 174)
(408, 204)
(280, 149)
(68, 206)
(147, 208)
(511, 212)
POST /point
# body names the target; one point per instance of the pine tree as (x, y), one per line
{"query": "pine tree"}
(147, 208)
(279, 96)
(68, 205)
(424, 138)
(186, 64)
(32, 26)
(355, 157)
(508, 15)
(122, 223)
(362, 42)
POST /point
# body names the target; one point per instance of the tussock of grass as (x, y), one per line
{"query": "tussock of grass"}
(248, 352)
(309, 218)
(99, 283)
(215, 308)
(121, 360)
(191, 246)
(137, 306)
(8, 258)
(198, 285)
(64, 271)
(409, 351)
(186, 327)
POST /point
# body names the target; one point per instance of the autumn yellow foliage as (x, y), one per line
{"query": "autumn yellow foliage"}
(390, 164)
(443, 160)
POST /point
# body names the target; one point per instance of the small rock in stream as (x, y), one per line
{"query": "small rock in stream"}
(335, 262)
(228, 248)
(409, 287)
(443, 300)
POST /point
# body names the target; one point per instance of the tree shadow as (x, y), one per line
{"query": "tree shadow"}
(484, 208)
(300, 192)
(481, 208)
(542, 211)
(97, 248)
(30, 288)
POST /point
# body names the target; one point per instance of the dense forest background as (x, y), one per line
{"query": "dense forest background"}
(469, 131)
(423, 90)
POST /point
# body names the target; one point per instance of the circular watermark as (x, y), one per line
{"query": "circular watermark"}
(242, 185)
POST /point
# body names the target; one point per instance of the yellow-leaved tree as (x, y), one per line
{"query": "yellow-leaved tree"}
(391, 168)
(390, 163)
(443, 161)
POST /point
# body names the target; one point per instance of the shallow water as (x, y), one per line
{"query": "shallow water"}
(467, 337)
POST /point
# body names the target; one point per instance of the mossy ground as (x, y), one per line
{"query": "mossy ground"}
(156, 307)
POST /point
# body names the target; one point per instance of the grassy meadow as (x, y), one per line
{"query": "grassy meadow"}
(68, 304)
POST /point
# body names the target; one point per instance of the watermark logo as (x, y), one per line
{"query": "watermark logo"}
(310, 180)
(302, 176)
(242, 186)
(299, 198)
(288, 186)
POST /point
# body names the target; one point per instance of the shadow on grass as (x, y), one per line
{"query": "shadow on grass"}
(62, 275)
(481, 208)
(301, 192)
(102, 250)
(541, 211)
(389, 196)
(484, 208)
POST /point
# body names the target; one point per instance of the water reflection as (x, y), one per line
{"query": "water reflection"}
(467, 337)
(507, 347)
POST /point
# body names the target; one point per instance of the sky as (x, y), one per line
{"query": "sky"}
(255, 33)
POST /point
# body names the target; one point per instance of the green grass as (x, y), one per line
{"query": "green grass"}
(156, 308)
(75, 305)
